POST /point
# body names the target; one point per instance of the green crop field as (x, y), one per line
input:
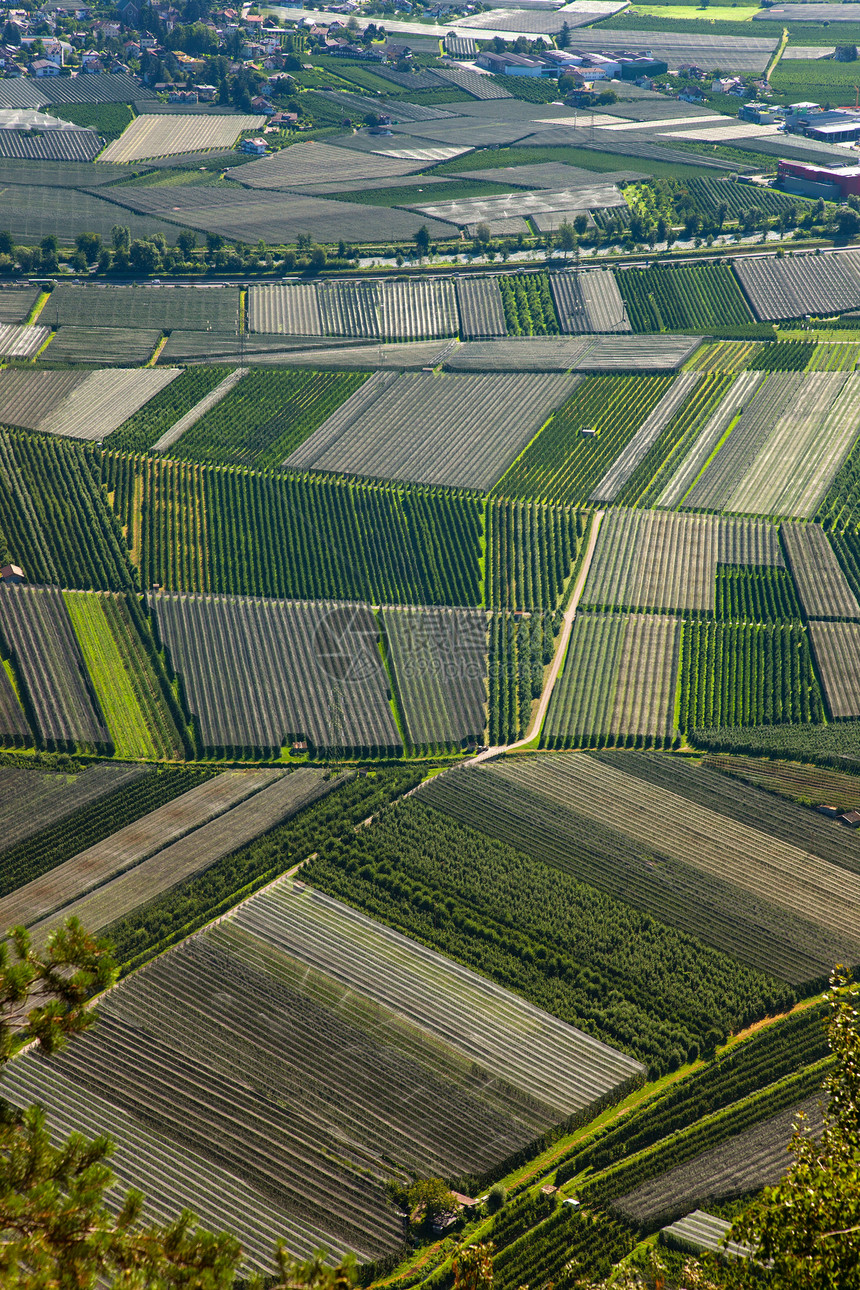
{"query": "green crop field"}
(156, 417)
(528, 306)
(684, 298)
(266, 416)
(583, 438)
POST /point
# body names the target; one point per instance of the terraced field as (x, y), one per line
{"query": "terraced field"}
(413, 430)
(487, 1087)
(259, 674)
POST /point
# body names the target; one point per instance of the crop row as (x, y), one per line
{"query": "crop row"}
(809, 785)
(438, 658)
(683, 298)
(782, 356)
(199, 899)
(520, 649)
(775, 398)
(698, 444)
(55, 517)
(754, 594)
(150, 422)
(264, 416)
(591, 1243)
(56, 688)
(258, 674)
(500, 909)
(648, 479)
(589, 302)
(618, 682)
(710, 845)
(835, 646)
(585, 436)
(413, 429)
(530, 550)
(14, 729)
(626, 464)
(203, 528)
(742, 674)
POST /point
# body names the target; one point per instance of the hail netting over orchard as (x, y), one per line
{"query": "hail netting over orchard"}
(661, 560)
(294, 1002)
(260, 673)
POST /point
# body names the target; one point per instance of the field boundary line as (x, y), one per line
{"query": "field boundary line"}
(41, 300)
(159, 346)
(193, 415)
(567, 626)
(780, 50)
(40, 351)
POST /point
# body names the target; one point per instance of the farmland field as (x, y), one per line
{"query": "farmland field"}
(41, 800)
(707, 862)
(748, 1161)
(618, 683)
(213, 308)
(810, 785)
(741, 674)
(16, 303)
(432, 872)
(794, 470)
(626, 464)
(487, 1090)
(660, 560)
(115, 851)
(27, 397)
(146, 426)
(104, 400)
(413, 430)
(15, 731)
(439, 663)
(291, 309)
(648, 479)
(133, 887)
(121, 346)
(585, 436)
(589, 302)
(21, 342)
(163, 135)
(701, 446)
(123, 715)
(265, 416)
(837, 651)
(682, 298)
(530, 550)
(528, 305)
(55, 517)
(482, 314)
(417, 310)
(259, 674)
(206, 528)
(821, 584)
(755, 594)
(38, 635)
(799, 284)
